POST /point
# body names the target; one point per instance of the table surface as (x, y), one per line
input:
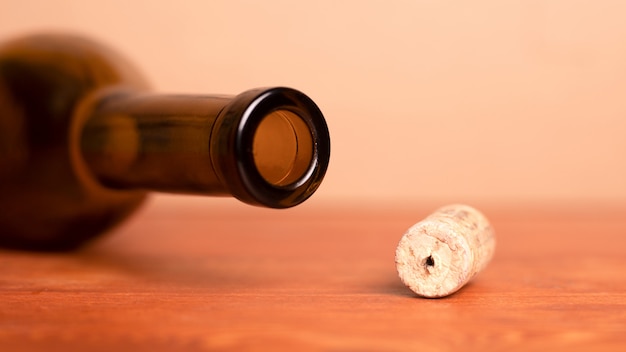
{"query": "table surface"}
(191, 274)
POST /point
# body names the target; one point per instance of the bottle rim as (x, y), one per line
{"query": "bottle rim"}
(236, 136)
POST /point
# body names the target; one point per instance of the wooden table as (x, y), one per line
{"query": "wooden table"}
(191, 274)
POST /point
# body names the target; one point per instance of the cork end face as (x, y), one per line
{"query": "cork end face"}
(431, 262)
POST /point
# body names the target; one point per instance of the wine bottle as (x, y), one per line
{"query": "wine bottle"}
(83, 140)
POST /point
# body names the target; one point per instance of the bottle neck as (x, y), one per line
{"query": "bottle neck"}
(154, 142)
(267, 147)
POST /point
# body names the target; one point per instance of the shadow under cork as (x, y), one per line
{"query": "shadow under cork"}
(398, 289)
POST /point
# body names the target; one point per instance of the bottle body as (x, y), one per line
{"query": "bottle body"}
(82, 141)
(47, 200)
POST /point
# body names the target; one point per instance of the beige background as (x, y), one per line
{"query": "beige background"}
(485, 100)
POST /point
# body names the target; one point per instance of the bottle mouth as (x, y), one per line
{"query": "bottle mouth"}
(273, 147)
(283, 148)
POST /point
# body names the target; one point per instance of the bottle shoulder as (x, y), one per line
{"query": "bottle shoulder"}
(48, 195)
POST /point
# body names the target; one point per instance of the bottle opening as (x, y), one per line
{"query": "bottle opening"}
(282, 148)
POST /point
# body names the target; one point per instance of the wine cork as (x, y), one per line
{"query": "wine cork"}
(440, 254)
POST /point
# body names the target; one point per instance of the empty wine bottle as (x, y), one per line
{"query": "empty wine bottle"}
(82, 140)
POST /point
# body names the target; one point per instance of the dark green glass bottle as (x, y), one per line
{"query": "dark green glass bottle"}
(82, 140)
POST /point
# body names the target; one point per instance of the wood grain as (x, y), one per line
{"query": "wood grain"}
(216, 275)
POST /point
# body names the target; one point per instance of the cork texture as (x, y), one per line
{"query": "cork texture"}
(440, 254)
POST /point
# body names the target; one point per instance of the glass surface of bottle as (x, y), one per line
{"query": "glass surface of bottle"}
(83, 139)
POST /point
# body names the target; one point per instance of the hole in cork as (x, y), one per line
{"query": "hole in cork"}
(428, 262)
